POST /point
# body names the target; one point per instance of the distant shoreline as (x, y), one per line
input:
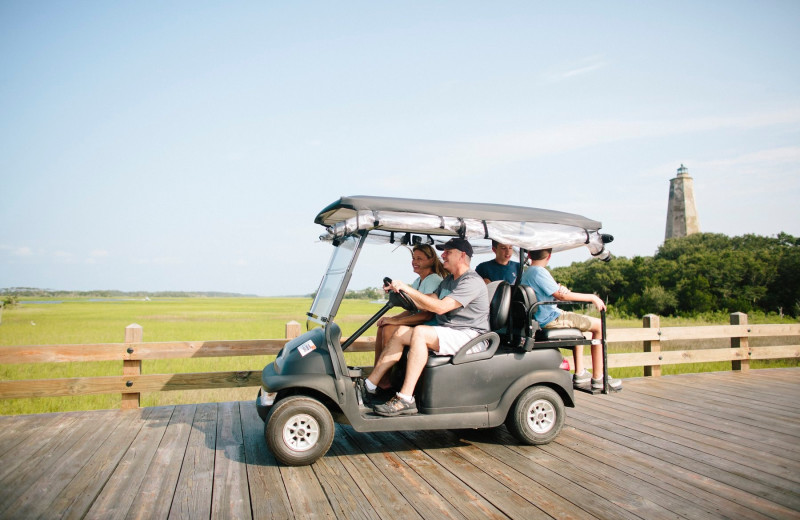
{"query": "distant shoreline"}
(32, 292)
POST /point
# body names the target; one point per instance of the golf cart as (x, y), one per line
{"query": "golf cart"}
(519, 381)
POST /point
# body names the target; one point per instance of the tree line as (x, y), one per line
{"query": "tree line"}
(704, 273)
(697, 274)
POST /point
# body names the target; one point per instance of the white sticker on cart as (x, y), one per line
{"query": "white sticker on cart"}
(306, 348)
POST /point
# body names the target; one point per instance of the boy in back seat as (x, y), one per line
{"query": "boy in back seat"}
(551, 317)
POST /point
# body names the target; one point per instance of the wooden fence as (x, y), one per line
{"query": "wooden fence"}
(133, 351)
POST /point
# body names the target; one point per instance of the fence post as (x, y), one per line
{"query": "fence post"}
(743, 342)
(651, 321)
(292, 329)
(132, 367)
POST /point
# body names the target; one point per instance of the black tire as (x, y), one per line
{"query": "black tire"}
(299, 430)
(537, 416)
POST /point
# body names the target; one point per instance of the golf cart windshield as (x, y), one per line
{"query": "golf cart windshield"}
(335, 279)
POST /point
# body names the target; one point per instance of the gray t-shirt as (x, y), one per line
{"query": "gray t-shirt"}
(470, 291)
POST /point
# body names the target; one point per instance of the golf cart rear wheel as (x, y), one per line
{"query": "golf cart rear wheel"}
(537, 416)
(299, 430)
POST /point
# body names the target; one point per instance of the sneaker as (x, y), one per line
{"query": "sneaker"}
(582, 378)
(396, 406)
(613, 384)
(368, 399)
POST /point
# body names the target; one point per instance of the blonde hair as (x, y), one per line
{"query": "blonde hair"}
(430, 253)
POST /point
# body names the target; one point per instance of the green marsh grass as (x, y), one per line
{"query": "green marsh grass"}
(80, 321)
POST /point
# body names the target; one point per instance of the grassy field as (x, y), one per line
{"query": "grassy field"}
(199, 319)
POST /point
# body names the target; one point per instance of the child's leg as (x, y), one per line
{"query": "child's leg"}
(577, 356)
(597, 361)
(597, 350)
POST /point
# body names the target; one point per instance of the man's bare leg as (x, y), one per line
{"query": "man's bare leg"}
(423, 338)
(420, 339)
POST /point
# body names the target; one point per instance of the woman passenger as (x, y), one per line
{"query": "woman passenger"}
(430, 271)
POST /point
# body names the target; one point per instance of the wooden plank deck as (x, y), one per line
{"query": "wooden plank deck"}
(721, 445)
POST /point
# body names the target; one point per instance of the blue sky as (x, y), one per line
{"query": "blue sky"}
(188, 145)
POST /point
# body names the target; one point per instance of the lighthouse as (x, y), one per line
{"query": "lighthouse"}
(681, 212)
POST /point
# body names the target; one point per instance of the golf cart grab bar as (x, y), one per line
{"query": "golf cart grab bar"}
(462, 357)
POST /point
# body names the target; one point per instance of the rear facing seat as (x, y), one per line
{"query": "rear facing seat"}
(524, 330)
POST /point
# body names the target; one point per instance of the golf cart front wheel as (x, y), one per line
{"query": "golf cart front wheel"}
(537, 416)
(299, 430)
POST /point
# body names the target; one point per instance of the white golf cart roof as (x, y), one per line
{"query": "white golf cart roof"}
(527, 228)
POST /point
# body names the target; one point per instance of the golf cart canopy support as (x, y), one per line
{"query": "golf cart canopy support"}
(527, 228)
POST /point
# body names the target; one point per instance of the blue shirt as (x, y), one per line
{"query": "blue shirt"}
(494, 271)
(428, 285)
(543, 284)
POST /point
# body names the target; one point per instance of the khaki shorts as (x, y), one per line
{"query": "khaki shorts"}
(570, 320)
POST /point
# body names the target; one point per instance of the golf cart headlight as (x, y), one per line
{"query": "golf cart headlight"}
(267, 398)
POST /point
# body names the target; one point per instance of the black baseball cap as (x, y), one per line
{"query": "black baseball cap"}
(456, 243)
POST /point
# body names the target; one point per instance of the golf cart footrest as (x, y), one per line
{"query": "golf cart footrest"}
(587, 387)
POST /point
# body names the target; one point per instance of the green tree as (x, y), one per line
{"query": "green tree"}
(695, 274)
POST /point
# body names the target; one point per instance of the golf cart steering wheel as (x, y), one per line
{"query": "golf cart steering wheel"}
(399, 299)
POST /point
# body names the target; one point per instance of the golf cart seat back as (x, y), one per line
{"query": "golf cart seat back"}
(524, 329)
(499, 304)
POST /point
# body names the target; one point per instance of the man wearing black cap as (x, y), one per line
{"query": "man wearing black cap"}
(461, 306)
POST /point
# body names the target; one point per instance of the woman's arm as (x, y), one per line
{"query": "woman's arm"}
(406, 318)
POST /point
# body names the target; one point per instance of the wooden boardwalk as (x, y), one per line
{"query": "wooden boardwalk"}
(721, 445)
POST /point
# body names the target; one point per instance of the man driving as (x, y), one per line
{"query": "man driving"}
(461, 305)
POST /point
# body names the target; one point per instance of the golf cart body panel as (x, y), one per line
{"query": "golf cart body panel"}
(519, 380)
(448, 388)
(304, 362)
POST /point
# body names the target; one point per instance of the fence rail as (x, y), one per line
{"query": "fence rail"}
(134, 351)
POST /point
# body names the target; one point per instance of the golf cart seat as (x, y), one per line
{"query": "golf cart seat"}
(499, 304)
(559, 335)
(525, 331)
(499, 309)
